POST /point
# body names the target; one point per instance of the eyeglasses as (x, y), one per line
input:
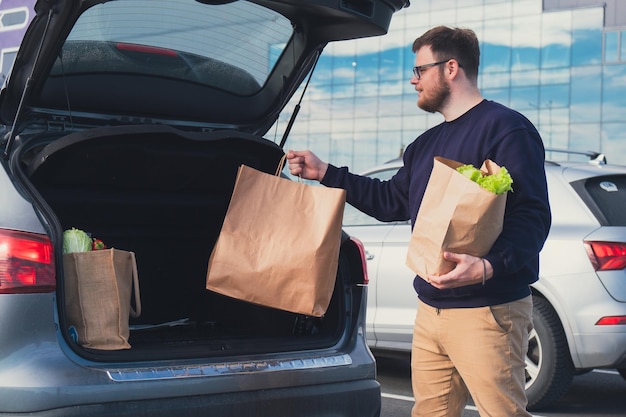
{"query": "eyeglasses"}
(417, 70)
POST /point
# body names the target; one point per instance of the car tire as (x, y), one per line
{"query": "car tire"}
(549, 367)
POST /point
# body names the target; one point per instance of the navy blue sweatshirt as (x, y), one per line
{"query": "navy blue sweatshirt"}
(487, 131)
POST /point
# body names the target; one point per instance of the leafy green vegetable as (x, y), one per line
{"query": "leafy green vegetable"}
(470, 172)
(498, 183)
(75, 240)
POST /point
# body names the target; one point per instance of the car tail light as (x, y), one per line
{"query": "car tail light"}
(361, 249)
(611, 321)
(26, 263)
(606, 256)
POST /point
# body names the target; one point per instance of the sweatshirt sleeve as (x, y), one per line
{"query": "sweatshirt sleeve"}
(385, 200)
(527, 216)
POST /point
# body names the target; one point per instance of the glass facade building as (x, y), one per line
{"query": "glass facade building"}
(560, 65)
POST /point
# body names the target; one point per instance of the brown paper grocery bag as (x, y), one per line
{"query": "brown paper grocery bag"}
(456, 215)
(279, 244)
(98, 289)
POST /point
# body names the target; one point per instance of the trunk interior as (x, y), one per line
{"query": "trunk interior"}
(163, 194)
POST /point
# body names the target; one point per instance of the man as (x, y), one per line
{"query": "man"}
(470, 335)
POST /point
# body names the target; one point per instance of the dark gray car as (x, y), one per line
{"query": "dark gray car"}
(128, 119)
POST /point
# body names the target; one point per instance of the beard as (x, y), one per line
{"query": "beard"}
(434, 101)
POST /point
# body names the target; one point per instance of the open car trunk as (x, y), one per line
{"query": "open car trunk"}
(163, 194)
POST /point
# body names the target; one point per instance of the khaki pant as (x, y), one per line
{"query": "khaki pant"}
(471, 351)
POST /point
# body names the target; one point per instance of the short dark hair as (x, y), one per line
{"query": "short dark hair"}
(460, 44)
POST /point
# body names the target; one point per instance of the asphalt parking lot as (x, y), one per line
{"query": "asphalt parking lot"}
(600, 393)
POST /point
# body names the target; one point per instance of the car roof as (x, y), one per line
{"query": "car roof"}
(573, 170)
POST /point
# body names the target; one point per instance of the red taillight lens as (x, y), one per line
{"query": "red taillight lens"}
(361, 248)
(611, 321)
(607, 256)
(26, 263)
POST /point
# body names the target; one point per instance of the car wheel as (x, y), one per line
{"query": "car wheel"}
(549, 367)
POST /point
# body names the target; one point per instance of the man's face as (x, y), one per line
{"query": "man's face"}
(433, 90)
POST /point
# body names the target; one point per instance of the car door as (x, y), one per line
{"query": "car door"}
(396, 300)
(392, 301)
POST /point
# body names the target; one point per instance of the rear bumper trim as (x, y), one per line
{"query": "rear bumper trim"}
(226, 368)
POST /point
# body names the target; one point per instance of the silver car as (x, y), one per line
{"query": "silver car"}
(128, 119)
(579, 300)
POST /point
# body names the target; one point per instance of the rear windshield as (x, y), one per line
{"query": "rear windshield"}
(181, 39)
(608, 198)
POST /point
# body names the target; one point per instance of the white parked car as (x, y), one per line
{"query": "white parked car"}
(579, 300)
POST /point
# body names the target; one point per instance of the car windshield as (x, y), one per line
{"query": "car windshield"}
(178, 39)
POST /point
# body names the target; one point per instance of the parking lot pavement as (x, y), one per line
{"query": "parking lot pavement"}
(600, 393)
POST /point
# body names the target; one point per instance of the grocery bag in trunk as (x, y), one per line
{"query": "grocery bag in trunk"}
(279, 244)
(98, 289)
(456, 215)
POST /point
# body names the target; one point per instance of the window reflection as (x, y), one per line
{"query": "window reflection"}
(556, 35)
(613, 97)
(587, 47)
(611, 52)
(586, 94)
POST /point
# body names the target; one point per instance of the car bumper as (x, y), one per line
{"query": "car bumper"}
(41, 377)
(580, 301)
(349, 399)
(606, 350)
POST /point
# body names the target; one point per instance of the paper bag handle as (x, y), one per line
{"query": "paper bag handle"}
(279, 168)
(136, 312)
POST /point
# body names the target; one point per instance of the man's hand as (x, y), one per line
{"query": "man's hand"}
(469, 270)
(306, 164)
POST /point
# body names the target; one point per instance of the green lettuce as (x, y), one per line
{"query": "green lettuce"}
(75, 240)
(470, 172)
(498, 183)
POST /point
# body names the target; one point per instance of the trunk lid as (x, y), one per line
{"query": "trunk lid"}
(193, 64)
